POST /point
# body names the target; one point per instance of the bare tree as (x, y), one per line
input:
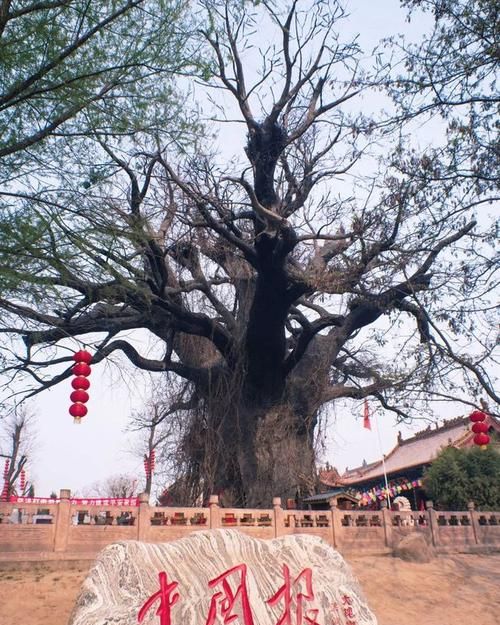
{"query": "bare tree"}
(121, 486)
(16, 441)
(271, 287)
(159, 433)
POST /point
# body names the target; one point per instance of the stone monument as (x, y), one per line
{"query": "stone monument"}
(220, 577)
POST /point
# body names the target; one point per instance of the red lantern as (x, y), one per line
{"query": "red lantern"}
(79, 396)
(82, 356)
(80, 383)
(6, 468)
(480, 427)
(481, 439)
(81, 368)
(477, 416)
(77, 411)
(22, 481)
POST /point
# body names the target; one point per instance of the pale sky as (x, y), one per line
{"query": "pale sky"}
(75, 456)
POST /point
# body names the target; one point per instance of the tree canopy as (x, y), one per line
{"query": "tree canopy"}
(315, 266)
(459, 476)
(72, 68)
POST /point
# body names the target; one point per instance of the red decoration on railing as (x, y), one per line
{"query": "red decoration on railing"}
(79, 396)
(479, 428)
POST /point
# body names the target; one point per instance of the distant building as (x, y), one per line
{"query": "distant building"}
(406, 463)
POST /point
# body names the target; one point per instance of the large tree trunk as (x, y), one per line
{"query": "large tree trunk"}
(251, 449)
(278, 459)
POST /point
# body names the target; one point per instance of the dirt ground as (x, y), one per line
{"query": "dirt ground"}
(461, 589)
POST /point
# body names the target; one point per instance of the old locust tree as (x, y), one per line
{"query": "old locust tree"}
(269, 293)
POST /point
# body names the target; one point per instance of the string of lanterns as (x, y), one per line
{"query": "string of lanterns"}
(480, 428)
(149, 464)
(380, 492)
(22, 481)
(5, 489)
(81, 370)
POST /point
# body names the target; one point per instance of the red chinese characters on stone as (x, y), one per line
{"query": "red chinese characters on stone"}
(348, 610)
(167, 598)
(223, 603)
(291, 593)
(339, 613)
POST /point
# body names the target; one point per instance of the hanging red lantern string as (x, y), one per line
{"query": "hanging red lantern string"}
(6, 469)
(482, 440)
(477, 416)
(479, 428)
(81, 369)
(5, 491)
(22, 481)
(152, 461)
(80, 383)
(147, 467)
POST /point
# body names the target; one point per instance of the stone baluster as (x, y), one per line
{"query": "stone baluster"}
(336, 524)
(433, 524)
(144, 517)
(213, 504)
(387, 524)
(63, 520)
(473, 521)
(279, 521)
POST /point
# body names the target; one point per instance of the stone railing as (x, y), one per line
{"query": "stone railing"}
(72, 530)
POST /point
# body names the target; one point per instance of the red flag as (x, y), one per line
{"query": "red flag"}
(366, 417)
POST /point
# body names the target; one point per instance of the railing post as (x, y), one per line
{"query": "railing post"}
(144, 517)
(278, 517)
(433, 522)
(336, 524)
(213, 504)
(63, 520)
(387, 524)
(473, 521)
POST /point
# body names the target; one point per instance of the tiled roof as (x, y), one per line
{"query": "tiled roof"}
(419, 450)
(322, 497)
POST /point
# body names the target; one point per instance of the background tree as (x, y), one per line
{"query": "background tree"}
(159, 432)
(449, 84)
(270, 285)
(16, 447)
(120, 486)
(458, 476)
(452, 73)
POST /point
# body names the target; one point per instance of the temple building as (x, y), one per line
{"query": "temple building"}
(404, 465)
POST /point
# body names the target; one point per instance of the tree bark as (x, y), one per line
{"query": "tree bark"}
(250, 447)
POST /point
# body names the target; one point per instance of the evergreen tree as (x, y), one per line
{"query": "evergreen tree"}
(458, 476)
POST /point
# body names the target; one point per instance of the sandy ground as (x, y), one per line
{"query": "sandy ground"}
(455, 590)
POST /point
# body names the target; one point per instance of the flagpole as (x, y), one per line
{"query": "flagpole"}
(366, 424)
(383, 463)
